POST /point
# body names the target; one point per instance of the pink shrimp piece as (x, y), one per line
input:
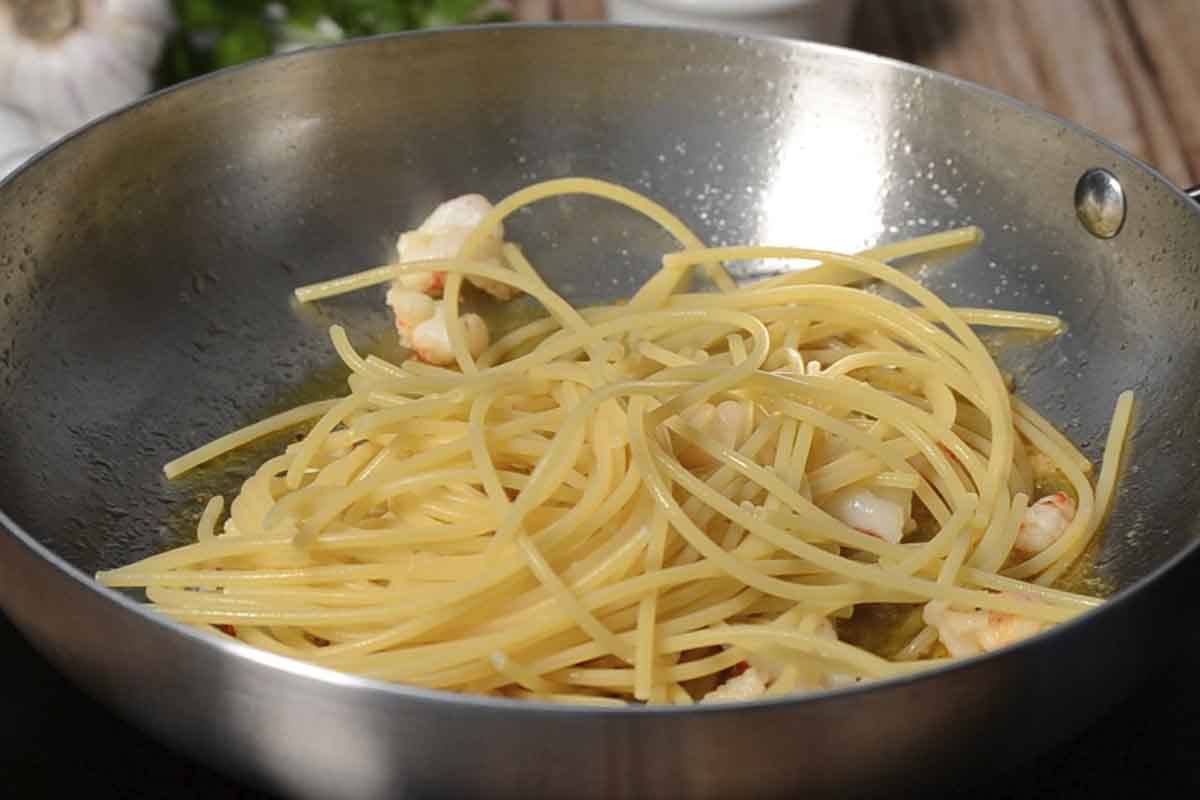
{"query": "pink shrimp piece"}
(1045, 521)
(970, 633)
(421, 325)
(442, 235)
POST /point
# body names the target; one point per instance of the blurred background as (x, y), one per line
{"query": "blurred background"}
(1123, 68)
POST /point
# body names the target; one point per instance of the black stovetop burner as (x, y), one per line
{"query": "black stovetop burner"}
(54, 741)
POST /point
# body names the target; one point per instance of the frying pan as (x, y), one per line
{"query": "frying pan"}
(145, 271)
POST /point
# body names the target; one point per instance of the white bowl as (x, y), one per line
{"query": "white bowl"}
(819, 20)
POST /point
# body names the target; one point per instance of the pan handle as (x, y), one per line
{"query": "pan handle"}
(1193, 192)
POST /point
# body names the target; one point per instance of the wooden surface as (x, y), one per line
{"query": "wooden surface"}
(1127, 69)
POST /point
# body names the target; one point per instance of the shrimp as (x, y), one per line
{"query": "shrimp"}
(868, 512)
(969, 633)
(1044, 522)
(747, 686)
(421, 324)
(765, 666)
(729, 422)
(410, 309)
(770, 661)
(442, 235)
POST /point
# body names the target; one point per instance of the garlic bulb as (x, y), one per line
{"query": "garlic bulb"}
(19, 139)
(65, 62)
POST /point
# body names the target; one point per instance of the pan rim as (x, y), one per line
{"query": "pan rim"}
(393, 692)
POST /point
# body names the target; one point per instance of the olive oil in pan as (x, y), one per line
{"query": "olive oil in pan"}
(225, 474)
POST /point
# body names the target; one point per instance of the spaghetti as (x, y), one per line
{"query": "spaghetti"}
(688, 495)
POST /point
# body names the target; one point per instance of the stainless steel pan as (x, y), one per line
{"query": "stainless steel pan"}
(145, 269)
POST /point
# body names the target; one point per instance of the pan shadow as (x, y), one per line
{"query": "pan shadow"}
(909, 31)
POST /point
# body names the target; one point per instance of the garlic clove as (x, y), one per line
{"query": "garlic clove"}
(139, 27)
(19, 139)
(41, 83)
(11, 163)
(127, 80)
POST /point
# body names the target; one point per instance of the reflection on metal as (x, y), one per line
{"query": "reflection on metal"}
(1100, 203)
(824, 189)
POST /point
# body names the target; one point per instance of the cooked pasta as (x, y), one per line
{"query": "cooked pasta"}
(722, 493)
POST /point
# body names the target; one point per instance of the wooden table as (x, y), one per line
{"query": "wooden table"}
(1127, 69)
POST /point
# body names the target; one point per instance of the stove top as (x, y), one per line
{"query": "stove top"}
(54, 740)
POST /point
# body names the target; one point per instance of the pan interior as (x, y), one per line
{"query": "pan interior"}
(146, 265)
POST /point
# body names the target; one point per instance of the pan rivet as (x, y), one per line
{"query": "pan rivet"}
(1100, 203)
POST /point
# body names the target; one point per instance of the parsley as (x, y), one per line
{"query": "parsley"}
(220, 33)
